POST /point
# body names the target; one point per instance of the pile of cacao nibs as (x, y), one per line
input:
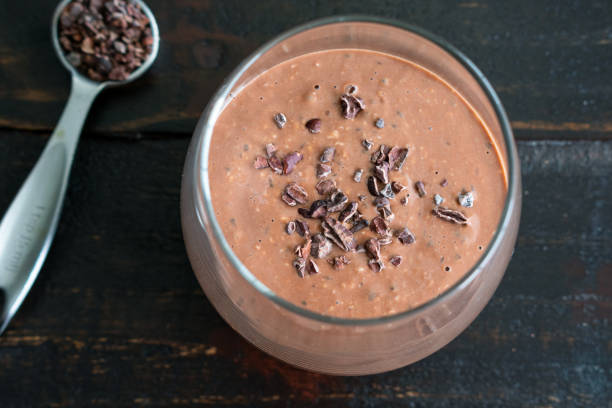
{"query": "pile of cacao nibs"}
(105, 40)
(338, 217)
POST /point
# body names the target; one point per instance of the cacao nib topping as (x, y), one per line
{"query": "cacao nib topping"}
(302, 228)
(290, 227)
(387, 191)
(304, 212)
(339, 262)
(420, 188)
(290, 161)
(357, 175)
(386, 212)
(376, 265)
(325, 187)
(321, 246)
(318, 209)
(466, 199)
(260, 162)
(351, 105)
(385, 241)
(444, 183)
(280, 119)
(297, 192)
(288, 200)
(303, 251)
(312, 267)
(348, 212)
(359, 225)
(351, 89)
(300, 266)
(328, 155)
(438, 199)
(373, 186)
(339, 234)
(405, 236)
(450, 215)
(379, 155)
(337, 201)
(381, 201)
(397, 157)
(380, 123)
(404, 200)
(396, 260)
(372, 247)
(323, 170)
(314, 125)
(380, 226)
(381, 172)
(367, 144)
(270, 150)
(276, 165)
(397, 187)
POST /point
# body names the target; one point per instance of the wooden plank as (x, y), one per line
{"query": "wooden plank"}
(549, 61)
(117, 319)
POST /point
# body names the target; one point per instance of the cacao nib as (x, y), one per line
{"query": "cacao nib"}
(314, 125)
(300, 266)
(385, 212)
(372, 247)
(337, 202)
(367, 144)
(321, 246)
(327, 155)
(339, 262)
(275, 164)
(339, 234)
(297, 192)
(438, 199)
(397, 158)
(348, 212)
(380, 226)
(280, 119)
(351, 105)
(405, 236)
(381, 172)
(302, 228)
(444, 183)
(466, 199)
(376, 265)
(288, 200)
(312, 267)
(325, 187)
(359, 225)
(290, 161)
(379, 155)
(260, 162)
(381, 201)
(303, 251)
(373, 186)
(318, 209)
(380, 123)
(397, 187)
(357, 175)
(270, 150)
(420, 188)
(304, 212)
(396, 260)
(290, 227)
(450, 215)
(323, 170)
(404, 200)
(385, 241)
(387, 191)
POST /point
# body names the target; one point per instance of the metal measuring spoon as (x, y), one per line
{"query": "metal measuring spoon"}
(28, 227)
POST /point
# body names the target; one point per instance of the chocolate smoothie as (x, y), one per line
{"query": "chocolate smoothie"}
(354, 183)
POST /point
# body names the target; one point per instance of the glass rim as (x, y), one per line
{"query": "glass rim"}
(203, 201)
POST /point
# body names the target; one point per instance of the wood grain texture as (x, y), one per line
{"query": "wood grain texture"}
(550, 61)
(117, 319)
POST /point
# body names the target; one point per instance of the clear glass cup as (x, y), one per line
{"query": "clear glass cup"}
(323, 343)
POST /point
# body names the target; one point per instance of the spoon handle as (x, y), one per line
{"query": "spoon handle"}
(28, 227)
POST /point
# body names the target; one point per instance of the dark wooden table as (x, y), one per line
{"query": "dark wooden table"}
(117, 319)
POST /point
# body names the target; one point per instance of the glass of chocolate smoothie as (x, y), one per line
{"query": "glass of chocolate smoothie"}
(351, 196)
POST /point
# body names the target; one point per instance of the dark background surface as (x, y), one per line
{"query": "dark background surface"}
(116, 317)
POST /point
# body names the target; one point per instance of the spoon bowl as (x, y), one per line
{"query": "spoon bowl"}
(28, 226)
